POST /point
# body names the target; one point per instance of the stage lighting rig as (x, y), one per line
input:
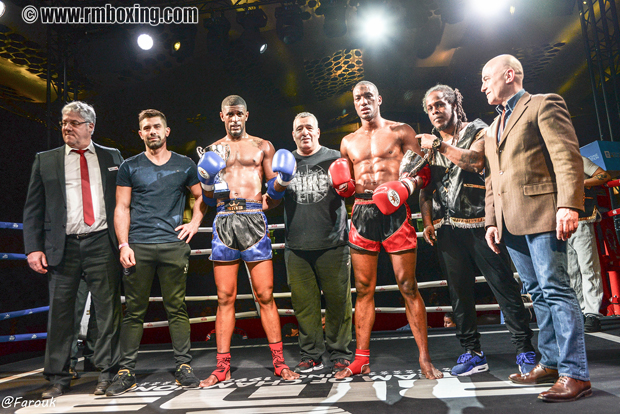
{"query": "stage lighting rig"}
(252, 20)
(335, 11)
(289, 23)
(218, 28)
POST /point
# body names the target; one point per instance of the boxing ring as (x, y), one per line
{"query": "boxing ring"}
(395, 387)
(609, 248)
(241, 296)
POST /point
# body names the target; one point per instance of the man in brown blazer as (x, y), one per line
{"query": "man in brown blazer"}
(534, 190)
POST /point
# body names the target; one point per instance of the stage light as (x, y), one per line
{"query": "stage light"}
(489, 7)
(2, 8)
(218, 27)
(289, 23)
(182, 41)
(252, 20)
(145, 41)
(335, 24)
(375, 22)
(375, 25)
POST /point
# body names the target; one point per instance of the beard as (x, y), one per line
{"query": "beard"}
(450, 122)
(238, 133)
(155, 144)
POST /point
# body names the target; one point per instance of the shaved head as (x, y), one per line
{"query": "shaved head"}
(507, 62)
(369, 85)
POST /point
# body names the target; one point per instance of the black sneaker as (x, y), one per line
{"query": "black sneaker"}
(124, 381)
(340, 364)
(185, 377)
(308, 365)
(592, 324)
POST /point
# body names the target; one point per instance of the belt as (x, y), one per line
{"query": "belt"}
(83, 236)
(238, 204)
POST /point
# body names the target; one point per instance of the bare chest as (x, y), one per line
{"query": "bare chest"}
(372, 147)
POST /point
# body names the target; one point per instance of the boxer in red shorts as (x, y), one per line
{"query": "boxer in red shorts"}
(375, 165)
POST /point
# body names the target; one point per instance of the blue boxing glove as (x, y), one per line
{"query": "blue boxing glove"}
(209, 166)
(285, 165)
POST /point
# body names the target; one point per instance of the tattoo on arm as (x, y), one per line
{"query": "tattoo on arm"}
(471, 161)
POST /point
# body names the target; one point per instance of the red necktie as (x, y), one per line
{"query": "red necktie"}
(87, 200)
(501, 124)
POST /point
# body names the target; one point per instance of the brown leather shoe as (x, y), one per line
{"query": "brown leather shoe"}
(538, 375)
(566, 389)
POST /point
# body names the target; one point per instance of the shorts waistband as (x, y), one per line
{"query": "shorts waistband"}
(364, 196)
(239, 204)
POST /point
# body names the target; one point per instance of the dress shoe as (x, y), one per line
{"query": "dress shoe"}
(101, 387)
(539, 375)
(54, 391)
(566, 389)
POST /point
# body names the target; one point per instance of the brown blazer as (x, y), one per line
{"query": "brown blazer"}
(535, 169)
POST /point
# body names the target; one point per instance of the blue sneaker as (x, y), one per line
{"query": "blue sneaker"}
(470, 363)
(526, 361)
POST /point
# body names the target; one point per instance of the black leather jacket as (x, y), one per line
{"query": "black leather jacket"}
(458, 196)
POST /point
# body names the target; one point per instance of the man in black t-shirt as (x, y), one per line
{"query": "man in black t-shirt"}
(317, 255)
(150, 199)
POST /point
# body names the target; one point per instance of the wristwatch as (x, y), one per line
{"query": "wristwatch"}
(436, 144)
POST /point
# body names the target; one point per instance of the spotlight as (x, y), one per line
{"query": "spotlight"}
(2, 8)
(489, 7)
(252, 20)
(335, 11)
(217, 35)
(376, 22)
(182, 41)
(145, 41)
(289, 23)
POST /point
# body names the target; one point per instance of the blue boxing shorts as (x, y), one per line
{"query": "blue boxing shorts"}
(240, 232)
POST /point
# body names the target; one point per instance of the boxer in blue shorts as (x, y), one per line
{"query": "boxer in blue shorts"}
(231, 173)
(240, 231)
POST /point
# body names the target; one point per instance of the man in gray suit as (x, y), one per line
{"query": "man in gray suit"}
(534, 190)
(69, 233)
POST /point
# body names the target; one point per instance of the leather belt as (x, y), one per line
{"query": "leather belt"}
(83, 236)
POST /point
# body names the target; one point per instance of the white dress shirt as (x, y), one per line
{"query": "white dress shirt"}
(73, 182)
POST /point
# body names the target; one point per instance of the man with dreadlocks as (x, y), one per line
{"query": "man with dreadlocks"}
(453, 203)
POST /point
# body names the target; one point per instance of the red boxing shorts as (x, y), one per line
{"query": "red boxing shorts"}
(371, 229)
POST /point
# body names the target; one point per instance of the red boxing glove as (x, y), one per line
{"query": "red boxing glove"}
(340, 178)
(390, 196)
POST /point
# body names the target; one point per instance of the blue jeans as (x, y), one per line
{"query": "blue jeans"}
(541, 262)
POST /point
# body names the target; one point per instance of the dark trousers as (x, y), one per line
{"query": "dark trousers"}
(459, 249)
(308, 273)
(169, 261)
(91, 335)
(95, 259)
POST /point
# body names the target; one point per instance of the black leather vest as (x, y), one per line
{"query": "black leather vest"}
(458, 196)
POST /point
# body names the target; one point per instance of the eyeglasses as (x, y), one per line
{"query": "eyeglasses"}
(74, 124)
